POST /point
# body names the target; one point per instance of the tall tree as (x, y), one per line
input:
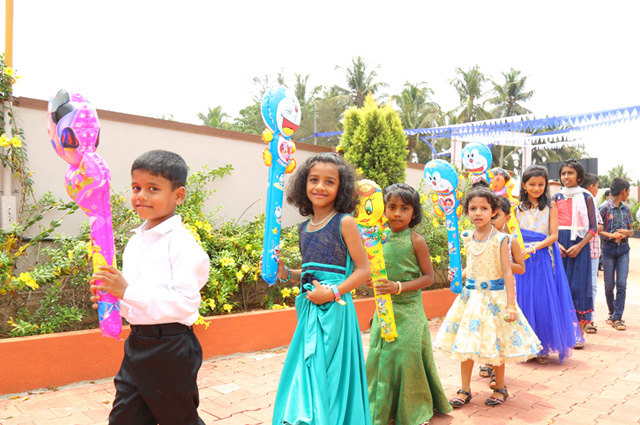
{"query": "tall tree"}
(508, 97)
(215, 118)
(360, 82)
(374, 142)
(416, 110)
(469, 88)
(307, 98)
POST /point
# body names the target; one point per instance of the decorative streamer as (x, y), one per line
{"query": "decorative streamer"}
(74, 129)
(281, 113)
(442, 178)
(374, 232)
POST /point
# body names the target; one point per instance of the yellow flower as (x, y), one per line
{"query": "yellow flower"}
(239, 276)
(214, 283)
(227, 308)
(245, 268)
(15, 142)
(211, 303)
(423, 199)
(201, 321)
(8, 70)
(435, 222)
(437, 259)
(70, 254)
(286, 292)
(248, 247)
(463, 251)
(28, 280)
(276, 307)
(295, 290)
(226, 261)
(4, 142)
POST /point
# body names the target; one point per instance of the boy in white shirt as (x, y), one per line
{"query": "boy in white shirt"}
(163, 270)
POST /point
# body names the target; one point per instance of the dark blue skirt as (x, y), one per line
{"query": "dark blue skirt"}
(578, 272)
(545, 299)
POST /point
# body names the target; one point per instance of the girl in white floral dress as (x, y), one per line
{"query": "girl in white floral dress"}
(484, 323)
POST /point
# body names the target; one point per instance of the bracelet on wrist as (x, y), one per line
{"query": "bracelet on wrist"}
(399, 288)
(288, 276)
(510, 305)
(336, 294)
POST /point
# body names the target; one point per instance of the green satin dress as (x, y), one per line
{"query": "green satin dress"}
(402, 378)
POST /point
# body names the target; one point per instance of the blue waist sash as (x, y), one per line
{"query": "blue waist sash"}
(492, 285)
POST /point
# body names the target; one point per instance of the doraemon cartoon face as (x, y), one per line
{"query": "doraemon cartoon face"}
(281, 111)
(476, 158)
(440, 176)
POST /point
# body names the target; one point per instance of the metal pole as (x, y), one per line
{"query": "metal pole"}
(315, 123)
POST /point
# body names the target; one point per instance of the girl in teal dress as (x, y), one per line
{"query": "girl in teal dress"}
(404, 385)
(323, 381)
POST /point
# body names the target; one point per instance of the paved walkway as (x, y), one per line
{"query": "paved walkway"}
(598, 385)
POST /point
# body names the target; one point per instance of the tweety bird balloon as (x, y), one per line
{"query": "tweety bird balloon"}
(502, 185)
(442, 178)
(281, 113)
(74, 130)
(371, 224)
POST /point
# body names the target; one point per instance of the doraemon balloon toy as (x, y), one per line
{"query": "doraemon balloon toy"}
(476, 159)
(502, 185)
(442, 178)
(281, 113)
(74, 129)
(374, 232)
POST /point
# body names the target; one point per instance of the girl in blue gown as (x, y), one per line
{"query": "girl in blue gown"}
(543, 291)
(323, 381)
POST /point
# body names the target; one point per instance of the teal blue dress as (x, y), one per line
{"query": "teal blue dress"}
(323, 381)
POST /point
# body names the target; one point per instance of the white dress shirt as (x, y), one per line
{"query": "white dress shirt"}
(165, 269)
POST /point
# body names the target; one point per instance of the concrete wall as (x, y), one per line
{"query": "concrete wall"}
(124, 137)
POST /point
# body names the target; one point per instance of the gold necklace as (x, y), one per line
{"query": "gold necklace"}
(485, 244)
(333, 212)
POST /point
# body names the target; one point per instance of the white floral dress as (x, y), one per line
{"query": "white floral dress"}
(474, 328)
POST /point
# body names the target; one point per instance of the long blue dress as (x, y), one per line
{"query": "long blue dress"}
(543, 291)
(323, 381)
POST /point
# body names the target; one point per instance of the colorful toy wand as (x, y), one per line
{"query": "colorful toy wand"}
(74, 129)
(374, 232)
(281, 113)
(442, 178)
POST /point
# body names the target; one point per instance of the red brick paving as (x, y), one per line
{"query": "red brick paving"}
(597, 385)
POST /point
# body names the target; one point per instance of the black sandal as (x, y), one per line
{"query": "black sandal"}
(459, 402)
(492, 383)
(486, 371)
(493, 401)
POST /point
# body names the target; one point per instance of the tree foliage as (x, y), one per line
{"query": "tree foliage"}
(360, 82)
(374, 142)
(214, 118)
(469, 88)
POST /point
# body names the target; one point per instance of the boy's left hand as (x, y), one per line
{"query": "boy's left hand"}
(113, 282)
(320, 294)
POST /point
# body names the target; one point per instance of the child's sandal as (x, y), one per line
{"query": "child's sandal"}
(494, 401)
(486, 371)
(619, 325)
(459, 402)
(492, 383)
(590, 328)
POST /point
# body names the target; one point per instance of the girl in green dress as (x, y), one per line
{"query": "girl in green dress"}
(404, 386)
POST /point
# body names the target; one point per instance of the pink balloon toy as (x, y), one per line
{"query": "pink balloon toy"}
(74, 129)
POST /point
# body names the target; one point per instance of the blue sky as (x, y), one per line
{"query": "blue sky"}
(159, 57)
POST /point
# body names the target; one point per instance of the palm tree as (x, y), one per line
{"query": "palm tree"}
(416, 110)
(360, 83)
(469, 89)
(215, 118)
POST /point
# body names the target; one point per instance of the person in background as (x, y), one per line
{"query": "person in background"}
(618, 226)
(591, 183)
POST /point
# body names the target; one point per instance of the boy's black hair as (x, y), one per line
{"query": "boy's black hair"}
(408, 195)
(481, 190)
(346, 198)
(618, 185)
(505, 205)
(589, 179)
(607, 192)
(572, 163)
(165, 164)
(543, 200)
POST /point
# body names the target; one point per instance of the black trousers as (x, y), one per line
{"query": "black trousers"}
(156, 384)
